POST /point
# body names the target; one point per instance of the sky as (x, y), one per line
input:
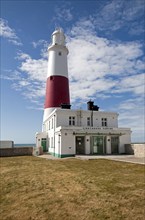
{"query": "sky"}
(105, 39)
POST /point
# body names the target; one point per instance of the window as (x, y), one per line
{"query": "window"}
(52, 142)
(88, 121)
(48, 142)
(104, 122)
(71, 120)
(59, 53)
(46, 126)
(52, 123)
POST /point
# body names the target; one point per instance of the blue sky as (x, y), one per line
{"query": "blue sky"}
(105, 39)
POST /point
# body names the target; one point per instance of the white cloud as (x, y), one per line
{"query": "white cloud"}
(39, 43)
(118, 14)
(22, 56)
(107, 18)
(133, 84)
(132, 115)
(30, 78)
(35, 108)
(35, 69)
(133, 9)
(63, 12)
(33, 77)
(83, 27)
(100, 57)
(11, 75)
(43, 44)
(101, 66)
(137, 29)
(9, 33)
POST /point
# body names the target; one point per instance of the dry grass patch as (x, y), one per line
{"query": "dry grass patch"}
(36, 188)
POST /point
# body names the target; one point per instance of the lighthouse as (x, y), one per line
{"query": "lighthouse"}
(57, 85)
(67, 132)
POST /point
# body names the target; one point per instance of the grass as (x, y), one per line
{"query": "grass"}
(38, 189)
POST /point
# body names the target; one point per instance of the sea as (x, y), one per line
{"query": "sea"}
(24, 145)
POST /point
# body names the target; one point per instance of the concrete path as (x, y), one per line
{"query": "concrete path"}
(48, 156)
(122, 158)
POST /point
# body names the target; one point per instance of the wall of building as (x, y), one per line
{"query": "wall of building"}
(108, 144)
(57, 146)
(67, 143)
(61, 118)
(61, 139)
(81, 118)
(65, 139)
(124, 139)
(87, 144)
(6, 144)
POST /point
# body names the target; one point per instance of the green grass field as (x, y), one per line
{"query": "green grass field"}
(36, 188)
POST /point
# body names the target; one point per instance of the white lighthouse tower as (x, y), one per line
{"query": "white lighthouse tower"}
(57, 85)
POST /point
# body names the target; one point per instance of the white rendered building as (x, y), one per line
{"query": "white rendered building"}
(69, 132)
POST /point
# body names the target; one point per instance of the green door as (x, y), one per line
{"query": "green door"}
(43, 144)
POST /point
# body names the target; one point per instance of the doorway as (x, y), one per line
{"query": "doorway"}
(43, 144)
(98, 145)
(80, 145)
(114, 145)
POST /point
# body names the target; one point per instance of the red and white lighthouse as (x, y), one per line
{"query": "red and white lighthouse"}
(57, 85)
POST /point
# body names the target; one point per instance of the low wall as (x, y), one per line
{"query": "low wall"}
(16, 151)
(138, 149)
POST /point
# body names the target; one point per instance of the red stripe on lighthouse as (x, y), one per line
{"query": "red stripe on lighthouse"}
(57, 91)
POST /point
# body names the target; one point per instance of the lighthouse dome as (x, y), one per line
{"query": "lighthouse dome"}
(58, 37)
